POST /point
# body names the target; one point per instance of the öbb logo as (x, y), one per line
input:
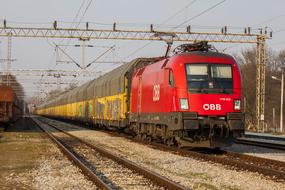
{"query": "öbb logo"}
(212, 107)
(156, 92)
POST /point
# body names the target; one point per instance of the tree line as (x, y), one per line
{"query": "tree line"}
(247, 62)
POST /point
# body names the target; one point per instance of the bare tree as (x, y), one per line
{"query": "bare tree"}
(247, 63)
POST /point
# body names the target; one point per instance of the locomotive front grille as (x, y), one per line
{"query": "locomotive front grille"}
(190, 115)
(235, 116)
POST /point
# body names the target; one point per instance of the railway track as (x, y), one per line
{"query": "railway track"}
(261, 143)
(264, 136)
(106, 170)
(269, 168)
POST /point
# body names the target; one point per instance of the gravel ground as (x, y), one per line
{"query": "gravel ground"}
(53, 172)
(189, 172)
(57, 172)
(258, 151)
(32, 161)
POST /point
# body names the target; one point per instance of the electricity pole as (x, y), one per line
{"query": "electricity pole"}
(83, 46)
(8, 60)
(282, 98)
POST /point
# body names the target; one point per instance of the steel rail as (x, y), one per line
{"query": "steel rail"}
(263, 161)
(154, 177)
(267, 167)
(265, 137)
(85, 170)
(241, 162)
(260, 143)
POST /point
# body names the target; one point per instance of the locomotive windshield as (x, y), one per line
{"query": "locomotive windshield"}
(209, 78)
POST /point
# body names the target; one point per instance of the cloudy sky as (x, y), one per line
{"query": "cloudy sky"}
(129, 14)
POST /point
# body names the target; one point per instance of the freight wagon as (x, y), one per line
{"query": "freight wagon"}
(10, 105)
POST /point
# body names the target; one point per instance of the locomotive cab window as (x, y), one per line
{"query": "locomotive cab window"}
(171, 78)
(209, 78)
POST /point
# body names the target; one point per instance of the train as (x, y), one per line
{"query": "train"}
(11, 107)
(191, 98)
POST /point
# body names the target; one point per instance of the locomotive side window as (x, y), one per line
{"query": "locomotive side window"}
(209, 78)
(171, 78)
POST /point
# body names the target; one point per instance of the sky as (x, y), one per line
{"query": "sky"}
(40, 53)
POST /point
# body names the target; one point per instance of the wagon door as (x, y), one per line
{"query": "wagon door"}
(87, 113)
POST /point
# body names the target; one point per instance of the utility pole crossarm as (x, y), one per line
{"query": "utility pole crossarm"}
(126, 34)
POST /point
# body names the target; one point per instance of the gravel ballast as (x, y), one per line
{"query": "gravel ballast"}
(187, 171)
(258, 151)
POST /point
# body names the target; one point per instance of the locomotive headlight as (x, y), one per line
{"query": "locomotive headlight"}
(237, 104)
(184, 103)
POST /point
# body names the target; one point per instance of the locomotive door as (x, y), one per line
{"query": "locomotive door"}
(169, 89)
(140, 95)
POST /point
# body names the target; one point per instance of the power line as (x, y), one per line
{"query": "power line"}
(200, 14)
(178, 12)
(279, 30)
(101, 55)
(85, 11)
(278, 43)
(271, 19)
(75, 18)
(165, 21)
(192, 18)
(78, 11)
(274, 18)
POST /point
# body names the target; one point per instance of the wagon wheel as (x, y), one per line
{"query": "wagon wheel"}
(178, 143)
(169, 141)
(139, 136)
(149, 138)
(145, 137)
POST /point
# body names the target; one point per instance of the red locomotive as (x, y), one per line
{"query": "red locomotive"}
(192, 98)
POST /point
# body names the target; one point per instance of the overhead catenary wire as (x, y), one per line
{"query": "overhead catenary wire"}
(78, 12)
(200, 14)
(76, 24)
(178, 12)
(80, 20)
(85, 11)
(63, 51)
(75, 18)
(276, 31)
(165, 21)
(181, 24)
(101, 55)
(272, 19)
